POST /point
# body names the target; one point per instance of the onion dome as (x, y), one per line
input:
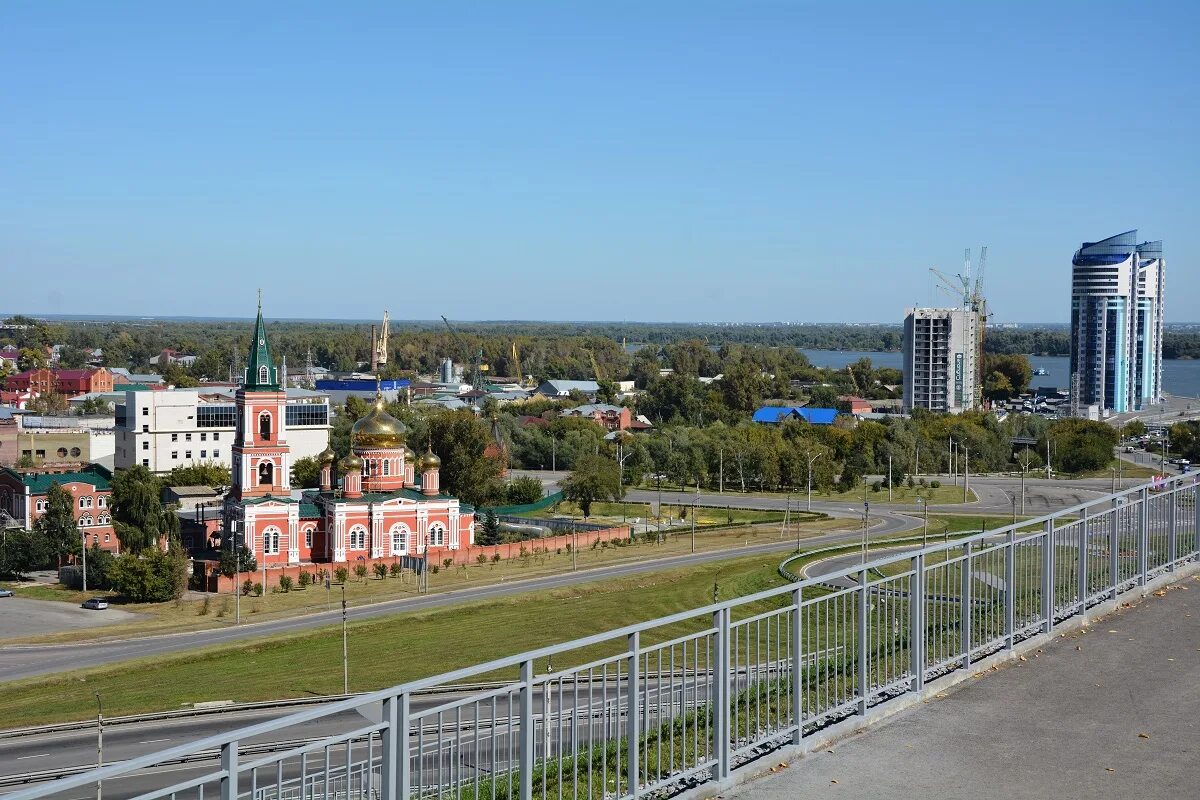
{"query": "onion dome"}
(409, 456)
(350, 463)
(429, 461)
(327, 456)
(378, 429)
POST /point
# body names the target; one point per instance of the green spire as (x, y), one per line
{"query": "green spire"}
(261, 374)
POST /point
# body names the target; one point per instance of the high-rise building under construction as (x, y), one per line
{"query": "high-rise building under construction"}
(941, 350)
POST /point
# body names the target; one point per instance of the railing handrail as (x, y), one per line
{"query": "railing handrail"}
(354, 703)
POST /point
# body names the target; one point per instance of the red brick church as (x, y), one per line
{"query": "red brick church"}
(379, 502)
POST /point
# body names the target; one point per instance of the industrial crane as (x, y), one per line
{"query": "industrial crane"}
(970, 293)
(477, 365)
(379, 345)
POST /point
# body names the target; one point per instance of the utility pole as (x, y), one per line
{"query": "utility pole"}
(866, 513)
(966, 472)
(553, 454)
(925, 533)
(84, 533)
(693, 526)
(345, 655)
(786, 511)
(889, 477)
(811, 459)
(99, 744)
(1047, 458)
(917, 460)
(953, 474)
(574, 547)
(721, 470)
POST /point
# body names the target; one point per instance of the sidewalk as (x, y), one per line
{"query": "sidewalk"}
(1111, 712)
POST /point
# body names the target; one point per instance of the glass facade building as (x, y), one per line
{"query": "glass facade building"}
(1116, 324)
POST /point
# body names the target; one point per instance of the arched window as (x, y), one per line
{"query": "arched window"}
(85, 520)
(366, 467)
(101, 501)
(399, 536)
(437, 534)
(264, 425)
(266, 473)
(308, 537)
(358, 538)
(271, 541)
(387, 463)
(264, 375)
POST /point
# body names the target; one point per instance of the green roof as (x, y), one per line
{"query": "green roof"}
(131, 387)
(309, 511)
(379, 497)
(39, 482)
(254, 501)
(260, 365)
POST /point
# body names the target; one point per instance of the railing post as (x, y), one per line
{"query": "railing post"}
(1114, 547)
(1195, 548)
(403, 732)
(1048, 577)
(1010, 601)
(916, 620)
(1081, 575)
(720, 704)
(797, 665)
(966, 606)
(633, 715)
(389, 744)
(527, 733)
(864, 669)
(1172, 524)
(229, 766)
(1143, 538)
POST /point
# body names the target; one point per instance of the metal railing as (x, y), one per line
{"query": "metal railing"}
(667, 705)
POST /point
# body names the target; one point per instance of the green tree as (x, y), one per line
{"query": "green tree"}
(48, 403)
(594, 479)
(32, 358)
(204, 473)
(93, 405)
(523, 491)
(72, 358)
(1079, 445)
(1133, 429)
(489, 529)
(176, 375)
(57, 526)
(137, 509)
(99, 567)
(154, 577)
(21, 551)
(1005, 375)
(460, 439)
(306, 473)
(231, 564)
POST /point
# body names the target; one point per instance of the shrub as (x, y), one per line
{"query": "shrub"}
(935, 484)
(380, 570)
(305, 579)
(341, 574)
(568, 547)
(434, 569)
(258, 589)
(522, 553)
(204, 608)
(154, 577)
(595, 544)
(360, 571)
(910, 482)
(395, 570)
(495, 558)
(446, 562)
(247, 587)
(481, 559)
(523, 491)
(285, 583)
(876, 486)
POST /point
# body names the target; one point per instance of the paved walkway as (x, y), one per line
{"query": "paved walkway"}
(1113, 712)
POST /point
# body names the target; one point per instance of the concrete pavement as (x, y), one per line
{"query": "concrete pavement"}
(1111, 712)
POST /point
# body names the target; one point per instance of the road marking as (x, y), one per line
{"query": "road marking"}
(152, 741)
(39, 755)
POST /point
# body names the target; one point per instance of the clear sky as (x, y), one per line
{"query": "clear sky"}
(740, 161)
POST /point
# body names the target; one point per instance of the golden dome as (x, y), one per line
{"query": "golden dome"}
(378, 428)
(350, 463)
(409, 456)
(327, 456)
(429, 461)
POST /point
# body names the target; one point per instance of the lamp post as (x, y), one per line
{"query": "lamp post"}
(84, 533)
(925, 533)
(966, 472)
(345, 655)
(811, 461)
(865, 514)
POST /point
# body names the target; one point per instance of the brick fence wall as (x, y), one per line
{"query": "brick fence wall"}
(202, 570)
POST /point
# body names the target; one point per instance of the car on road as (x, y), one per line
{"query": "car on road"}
(6, 593)
(95, 603)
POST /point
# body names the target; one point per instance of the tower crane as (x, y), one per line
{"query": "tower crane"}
(970, 293)
(379, 345)
(477, 365)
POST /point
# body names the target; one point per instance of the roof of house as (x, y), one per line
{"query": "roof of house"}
(192, 491)
(813, 416)
(566, 387)
(592, 408)
(40, 482)
(137, 377)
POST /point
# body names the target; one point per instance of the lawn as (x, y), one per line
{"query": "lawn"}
(706, 516)
(945, 494)
(199, 611)
(389, 650)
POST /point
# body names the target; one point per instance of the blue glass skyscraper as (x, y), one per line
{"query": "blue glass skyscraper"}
(1116, 324)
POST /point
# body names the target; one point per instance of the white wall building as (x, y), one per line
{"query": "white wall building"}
(941, 351)
(178, 427)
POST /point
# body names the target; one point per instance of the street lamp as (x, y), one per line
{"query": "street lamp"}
(99, 744)
(811, 460)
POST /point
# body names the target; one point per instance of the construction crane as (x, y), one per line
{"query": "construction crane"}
(517, 363)
(379, 345)
(969, 292)
(477, 365)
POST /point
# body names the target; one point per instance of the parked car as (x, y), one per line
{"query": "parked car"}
(95, 603)
(6, 593)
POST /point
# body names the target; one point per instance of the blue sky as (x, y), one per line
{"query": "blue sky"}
(578, 161)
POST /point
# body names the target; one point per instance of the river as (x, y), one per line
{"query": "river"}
(1181, 377)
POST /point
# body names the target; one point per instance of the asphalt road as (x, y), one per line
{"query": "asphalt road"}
(18, 662)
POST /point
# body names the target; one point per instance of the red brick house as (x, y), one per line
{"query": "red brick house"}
(23, 497)
(69, 382)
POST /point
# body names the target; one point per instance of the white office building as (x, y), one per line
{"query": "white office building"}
(941, 353)
(179, 427)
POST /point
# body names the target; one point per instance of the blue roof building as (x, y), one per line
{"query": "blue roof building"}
(774, 415)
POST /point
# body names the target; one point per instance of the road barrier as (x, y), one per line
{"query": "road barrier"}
(688, 702)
